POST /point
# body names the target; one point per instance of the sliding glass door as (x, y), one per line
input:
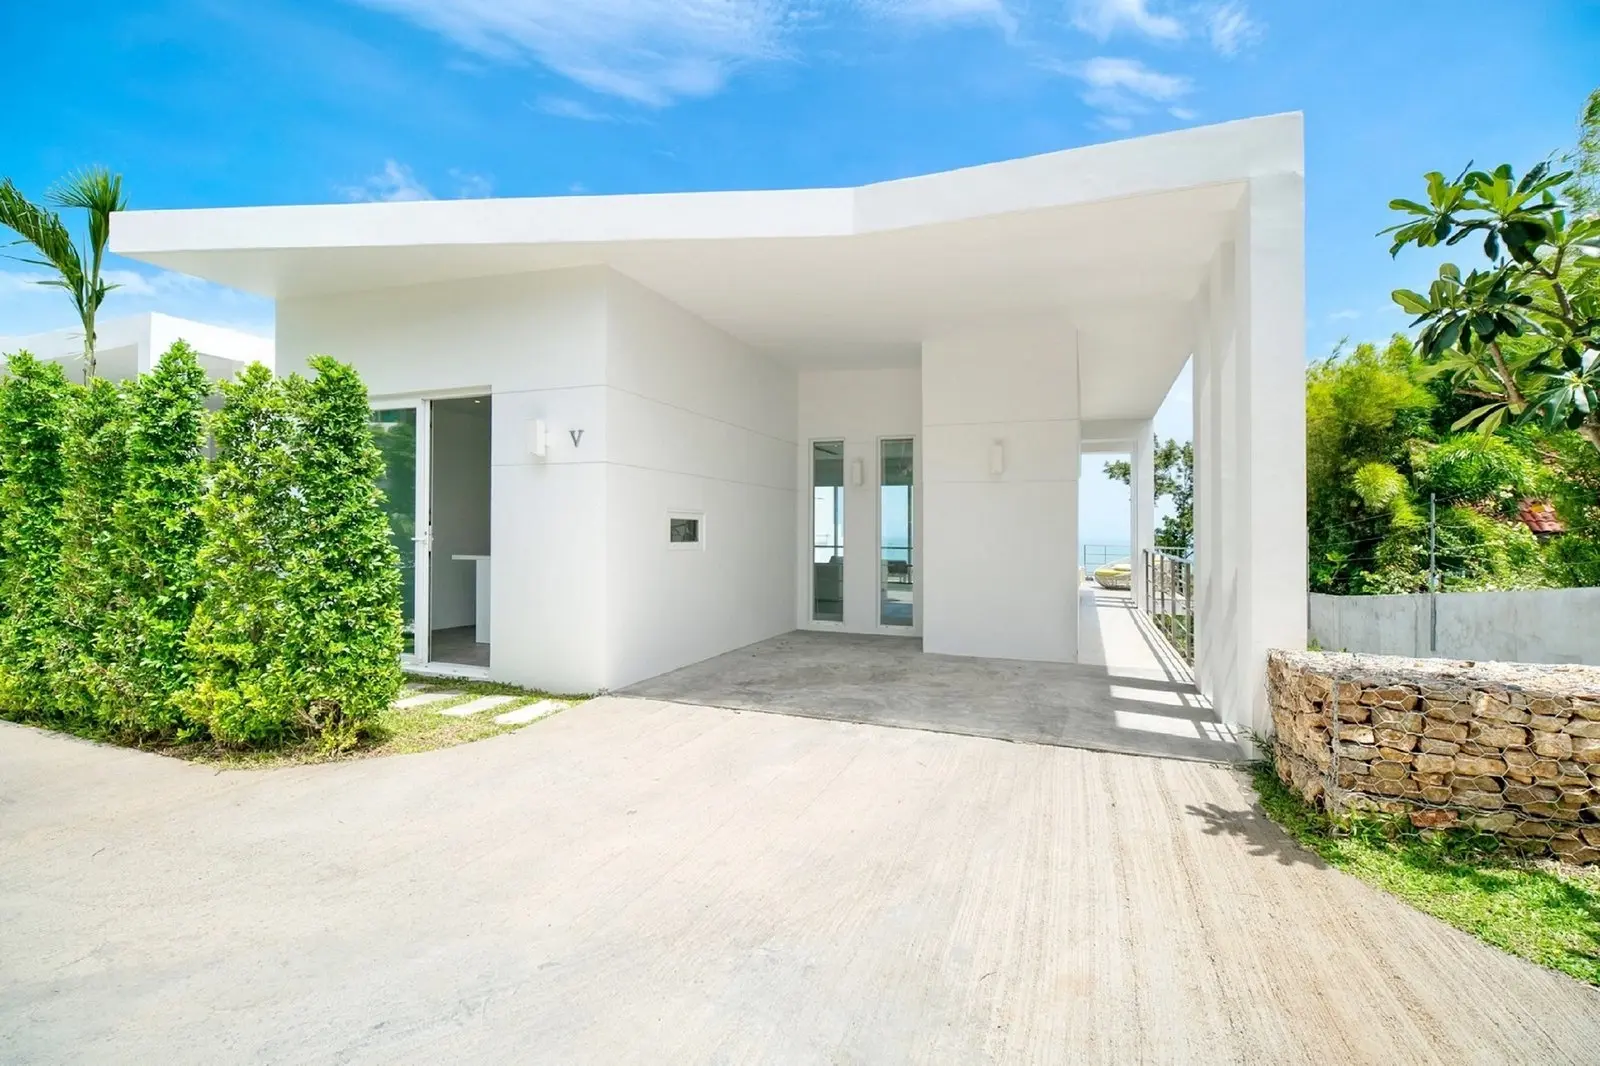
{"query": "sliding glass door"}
(401, 433)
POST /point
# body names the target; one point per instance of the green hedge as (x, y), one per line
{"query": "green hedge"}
(33, 419)
(147, 593)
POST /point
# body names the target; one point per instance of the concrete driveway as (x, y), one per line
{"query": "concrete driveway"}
(633, 881)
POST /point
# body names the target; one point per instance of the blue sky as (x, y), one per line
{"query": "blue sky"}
(214, 102)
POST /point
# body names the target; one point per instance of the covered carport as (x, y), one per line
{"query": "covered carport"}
(1131, 694)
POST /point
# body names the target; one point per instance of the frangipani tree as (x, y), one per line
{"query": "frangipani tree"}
(78, 270)
(1523, 333)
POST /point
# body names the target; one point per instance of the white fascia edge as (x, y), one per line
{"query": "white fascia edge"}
(1205, 155)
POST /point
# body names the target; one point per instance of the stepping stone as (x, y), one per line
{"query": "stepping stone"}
(422, 699)
(482, 703)
(532, 712)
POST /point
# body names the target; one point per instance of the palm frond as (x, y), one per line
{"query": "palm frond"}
(42, 229)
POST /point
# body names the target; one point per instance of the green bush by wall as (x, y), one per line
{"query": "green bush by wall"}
(33, 415)
(93, 453)
(157, 534)
(148, 593)
(298, 628)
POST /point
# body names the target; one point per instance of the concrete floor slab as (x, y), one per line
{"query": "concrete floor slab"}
(1134, 697)
(636, 881)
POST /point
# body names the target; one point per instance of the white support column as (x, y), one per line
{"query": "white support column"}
(1141, 504)
(1206, 447)
(1258, 600)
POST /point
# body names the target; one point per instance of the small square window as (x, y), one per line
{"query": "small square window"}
(683, 530)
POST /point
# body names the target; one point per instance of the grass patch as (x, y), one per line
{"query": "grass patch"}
(1538, 909)
(400, 731)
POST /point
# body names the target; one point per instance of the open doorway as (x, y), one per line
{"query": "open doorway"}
(459, 577)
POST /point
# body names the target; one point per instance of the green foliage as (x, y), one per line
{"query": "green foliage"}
(157, 534)
(92, 456)
(1485, 469)
(1460, 876)
(1364, 411)
(1583, 191)
(99, 194)
(1174, 479)
(1521, 336)
(298, 629)
(1379, 486)
(34, 401)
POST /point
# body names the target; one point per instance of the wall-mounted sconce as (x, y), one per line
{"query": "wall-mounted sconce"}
(997, 458)
(858, 472)
(538, 439)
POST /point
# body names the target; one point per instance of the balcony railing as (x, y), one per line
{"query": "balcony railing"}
(1169, 598)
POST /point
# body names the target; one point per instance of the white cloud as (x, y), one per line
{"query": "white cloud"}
(470, 186)
(656, 52)
(1343, 316)
(1102, 18)
(1183, 114)
(652, 52)
(939, 11)
(1231, 28)
(562, 107)
(1121, 88)
(394, 182)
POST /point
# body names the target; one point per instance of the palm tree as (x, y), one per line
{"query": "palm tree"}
(97, 191)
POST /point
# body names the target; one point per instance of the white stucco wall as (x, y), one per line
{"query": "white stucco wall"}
(537, 342)
(699, 423)
(859, 407)
(1531, 626)
(1000, 550)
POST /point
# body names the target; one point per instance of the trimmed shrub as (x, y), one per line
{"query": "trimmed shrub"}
(344, 582)
(297, 633)
(249, 514)
(158, 532)
(92, 457)
(33, 416)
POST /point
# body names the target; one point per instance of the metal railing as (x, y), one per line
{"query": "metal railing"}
(1169, 598)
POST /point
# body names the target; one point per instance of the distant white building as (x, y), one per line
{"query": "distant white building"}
(131, 345)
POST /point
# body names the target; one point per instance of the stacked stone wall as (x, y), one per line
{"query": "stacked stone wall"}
(1507, 748)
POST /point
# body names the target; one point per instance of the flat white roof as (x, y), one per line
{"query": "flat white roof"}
(1114, 236)
(223, 351)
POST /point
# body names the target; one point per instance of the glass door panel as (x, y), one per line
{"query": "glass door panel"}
(896, 540)
(827, 531)
(400, 434)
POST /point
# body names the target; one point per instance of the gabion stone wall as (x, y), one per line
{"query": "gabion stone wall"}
(1508, 748)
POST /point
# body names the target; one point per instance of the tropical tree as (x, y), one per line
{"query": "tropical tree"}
(78, 269)
(1174, 470)
(1522, 336)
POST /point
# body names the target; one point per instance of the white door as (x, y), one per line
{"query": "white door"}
(400, 429)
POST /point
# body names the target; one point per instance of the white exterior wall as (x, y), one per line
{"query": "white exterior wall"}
(1250, 454)
(1000, 551)
(859, 407)
(537, 342)
(698, 423)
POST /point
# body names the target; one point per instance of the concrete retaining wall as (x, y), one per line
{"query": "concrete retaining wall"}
(1538, 626)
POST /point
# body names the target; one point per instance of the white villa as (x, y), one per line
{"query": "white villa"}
(130, 345)
(628, 433)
